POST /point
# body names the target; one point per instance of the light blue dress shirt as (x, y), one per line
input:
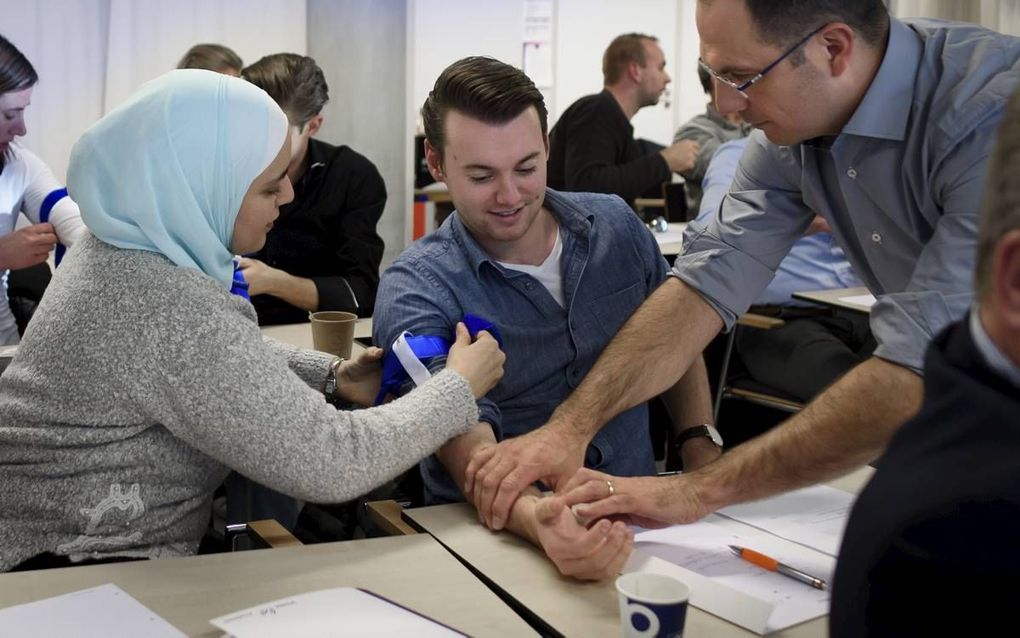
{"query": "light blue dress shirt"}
(815, 262)
(900, 185)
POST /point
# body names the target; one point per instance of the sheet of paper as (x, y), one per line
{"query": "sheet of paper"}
(867, 300)
(813, 516)
(105, 611)
(327, 613)
(703, 549)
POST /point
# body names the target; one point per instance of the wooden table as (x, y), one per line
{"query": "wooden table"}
(300, 334)
(834, 298)
(414, 571)
(524, 577)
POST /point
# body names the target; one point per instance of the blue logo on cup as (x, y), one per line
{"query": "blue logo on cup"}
(652, 605)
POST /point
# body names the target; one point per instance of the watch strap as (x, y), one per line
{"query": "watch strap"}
(704, 430)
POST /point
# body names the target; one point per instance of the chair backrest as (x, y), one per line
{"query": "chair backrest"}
(675, 196)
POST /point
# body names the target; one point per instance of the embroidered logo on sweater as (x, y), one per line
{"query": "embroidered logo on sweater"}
(107, 522)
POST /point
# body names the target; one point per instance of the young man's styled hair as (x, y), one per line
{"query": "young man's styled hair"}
(211, 57)
(624, 49)
(1000, 211)
(483, 88)
(295, 81)
(16, 74)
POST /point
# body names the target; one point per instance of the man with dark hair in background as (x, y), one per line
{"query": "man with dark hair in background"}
(323, 252)
(884, 128)
(592, 147)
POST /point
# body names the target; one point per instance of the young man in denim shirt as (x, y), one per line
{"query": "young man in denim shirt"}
(556, 273)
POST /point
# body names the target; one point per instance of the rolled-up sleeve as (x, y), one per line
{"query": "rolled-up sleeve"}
(941, 287)
(411, 298)
(733, 256)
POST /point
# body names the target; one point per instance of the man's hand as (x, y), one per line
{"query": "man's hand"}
(648, 501)
(681, 156)
(496, 475)
(818, 225)
(360, 378)
(585, 554)
(262, 279)
(28, 246)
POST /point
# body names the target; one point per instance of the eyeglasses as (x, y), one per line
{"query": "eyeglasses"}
(741, 88)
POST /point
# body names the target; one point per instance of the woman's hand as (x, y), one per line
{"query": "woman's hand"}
(359, 378)
(481, 362)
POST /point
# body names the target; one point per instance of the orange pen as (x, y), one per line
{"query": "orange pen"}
(773, 565)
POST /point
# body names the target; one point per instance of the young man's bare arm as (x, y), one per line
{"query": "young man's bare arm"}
(586, 554)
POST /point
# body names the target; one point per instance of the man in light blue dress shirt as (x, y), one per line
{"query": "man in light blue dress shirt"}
(884, 128)
(815, 346)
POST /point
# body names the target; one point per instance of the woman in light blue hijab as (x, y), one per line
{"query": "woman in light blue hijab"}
(142, 380)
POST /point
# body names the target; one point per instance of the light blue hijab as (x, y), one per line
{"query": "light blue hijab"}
(167, 170)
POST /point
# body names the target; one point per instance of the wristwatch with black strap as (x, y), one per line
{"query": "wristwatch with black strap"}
(704, 430)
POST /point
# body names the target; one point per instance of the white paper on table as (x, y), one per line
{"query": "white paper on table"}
(813, 516)
(769, 601)
(342, 611)
(867, 300)
(105, 611)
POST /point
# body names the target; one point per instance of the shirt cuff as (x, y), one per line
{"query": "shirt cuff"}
(905, 323)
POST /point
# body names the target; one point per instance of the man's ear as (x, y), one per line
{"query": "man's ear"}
(634, 71)
(1006, 279)
(434, 160)
(839, 40)
(314, 125)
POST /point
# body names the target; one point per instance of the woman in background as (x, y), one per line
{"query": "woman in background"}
(26, 186)
(144, 380)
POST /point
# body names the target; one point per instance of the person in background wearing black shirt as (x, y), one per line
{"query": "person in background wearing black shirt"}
(323, 252)
(592, 147)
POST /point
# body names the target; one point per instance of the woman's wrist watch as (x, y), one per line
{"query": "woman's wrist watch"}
(704, 430)
(331, 386)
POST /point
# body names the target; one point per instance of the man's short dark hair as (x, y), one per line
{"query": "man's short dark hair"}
(706, 80)
(624, 49)
(295, 81)
(212, 57)
(782, 22)
(483, 88)
(1000, 211)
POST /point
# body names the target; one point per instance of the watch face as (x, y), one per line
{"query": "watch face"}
(714, 435)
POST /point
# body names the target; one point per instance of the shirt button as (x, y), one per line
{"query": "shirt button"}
(529, 285)
(852, 173)
(875, 237)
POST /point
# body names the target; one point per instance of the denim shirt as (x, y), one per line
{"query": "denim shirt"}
(900, 186)
(610, 264)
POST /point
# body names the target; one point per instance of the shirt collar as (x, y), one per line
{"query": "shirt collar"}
(315, 161)
(885, 109)
(990, 352)
(567, 214)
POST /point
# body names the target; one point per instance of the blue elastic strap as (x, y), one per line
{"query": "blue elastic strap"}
(425, 348)
(44, 216)
(238, 285)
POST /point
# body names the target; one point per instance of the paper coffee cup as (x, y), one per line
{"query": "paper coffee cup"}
(333, 332)
(652, 605)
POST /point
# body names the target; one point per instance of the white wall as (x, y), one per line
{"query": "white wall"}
(447, 30)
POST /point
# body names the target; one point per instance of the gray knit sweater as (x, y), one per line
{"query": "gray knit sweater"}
(138, 386)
